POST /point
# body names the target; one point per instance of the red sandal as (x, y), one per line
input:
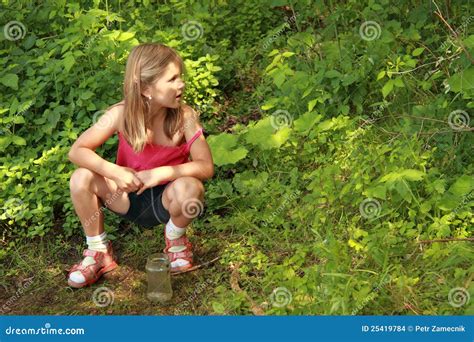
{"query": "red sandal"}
(104, 262)
(187, 254)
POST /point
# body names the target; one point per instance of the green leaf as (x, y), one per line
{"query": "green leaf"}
(448, 202)
(18, 140)
(10, 80)
(333, 74)
(279, 78)
(261, 134)
(417, 51)
(288, 54)
(412, 175)
(125, 36)
(218, 307)
(273, 53)
(462, 186)
(68, 62)
(381, 75)
(403, 190)
(398, 82)
(469, 41)
(408, 174)
(18, 119)
(311, 104)
(5, 142)
(379, 191)
(462, 81)
(306, 121)
(223, 149)
(85, 95)
(387, 88)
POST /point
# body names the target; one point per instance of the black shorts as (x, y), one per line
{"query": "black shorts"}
(147, 209)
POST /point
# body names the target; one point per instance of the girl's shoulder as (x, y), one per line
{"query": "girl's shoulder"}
(189, 113)
(116, 111)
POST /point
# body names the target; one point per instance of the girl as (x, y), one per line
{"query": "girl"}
(152, 181)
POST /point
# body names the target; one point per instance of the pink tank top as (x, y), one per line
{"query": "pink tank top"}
(153, 155)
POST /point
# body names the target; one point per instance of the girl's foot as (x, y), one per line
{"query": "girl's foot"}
(94, 265)
(179, 251)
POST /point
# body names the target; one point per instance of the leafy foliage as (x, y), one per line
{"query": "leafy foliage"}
(359, 150)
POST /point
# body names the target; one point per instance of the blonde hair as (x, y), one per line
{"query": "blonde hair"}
(145, 64)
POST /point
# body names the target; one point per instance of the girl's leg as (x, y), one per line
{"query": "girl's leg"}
(183, 198)
(87, 188)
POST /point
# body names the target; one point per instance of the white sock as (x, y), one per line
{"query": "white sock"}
(94, 243)
(174, 232)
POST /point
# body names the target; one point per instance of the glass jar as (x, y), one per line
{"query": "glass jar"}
(159, 278)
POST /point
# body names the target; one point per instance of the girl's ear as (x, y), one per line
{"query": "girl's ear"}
(146, 92)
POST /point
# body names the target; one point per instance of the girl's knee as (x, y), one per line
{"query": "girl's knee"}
(81, 179)
(187, 187)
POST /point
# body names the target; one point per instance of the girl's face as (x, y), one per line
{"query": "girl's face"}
(168, 89)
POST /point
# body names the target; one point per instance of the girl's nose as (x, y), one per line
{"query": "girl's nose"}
(181, 86)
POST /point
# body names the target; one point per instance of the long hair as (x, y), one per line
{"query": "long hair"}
(145, 64)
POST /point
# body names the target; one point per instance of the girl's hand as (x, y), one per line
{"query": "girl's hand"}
(151, 178)
(127, 180)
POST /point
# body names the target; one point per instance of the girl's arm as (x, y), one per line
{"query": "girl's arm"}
(82, 152)
(202, 165)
